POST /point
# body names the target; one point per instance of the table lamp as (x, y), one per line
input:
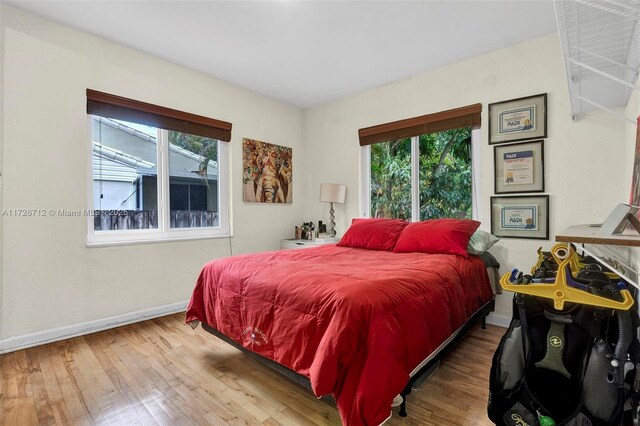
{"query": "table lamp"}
(332, 193)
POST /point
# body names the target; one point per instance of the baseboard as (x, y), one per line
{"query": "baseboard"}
(47, 336)
(499, 320)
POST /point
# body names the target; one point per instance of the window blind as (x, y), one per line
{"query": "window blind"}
(468, 116)
(121, 108)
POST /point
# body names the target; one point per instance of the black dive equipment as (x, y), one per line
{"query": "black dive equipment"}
(565, 359)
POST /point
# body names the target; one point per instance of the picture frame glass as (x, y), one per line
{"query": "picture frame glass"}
(519, 167)
(520, 217)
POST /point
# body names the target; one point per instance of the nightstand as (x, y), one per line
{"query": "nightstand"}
(300, 244)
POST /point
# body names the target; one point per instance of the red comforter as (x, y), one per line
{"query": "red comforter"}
(355, 322)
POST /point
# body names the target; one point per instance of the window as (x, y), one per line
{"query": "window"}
(155, 176)
(426, 175)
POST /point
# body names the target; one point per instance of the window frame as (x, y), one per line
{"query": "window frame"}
(365, 177)
(163, 233)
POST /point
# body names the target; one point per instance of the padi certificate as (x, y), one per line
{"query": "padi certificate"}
(517, 120)
(519, 217)
(518, 168)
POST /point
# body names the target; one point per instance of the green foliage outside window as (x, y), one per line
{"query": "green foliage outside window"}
(206, 148)
(200, 145)
(444, 182)
(391, 179)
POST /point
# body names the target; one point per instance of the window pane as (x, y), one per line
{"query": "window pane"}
(193, 181)
(391, 179)
(198, 197)
(445, 174)
(179, 196)
(125, 192)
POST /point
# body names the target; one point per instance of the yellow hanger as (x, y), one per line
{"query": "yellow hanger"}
(561, 292)
(561, 252)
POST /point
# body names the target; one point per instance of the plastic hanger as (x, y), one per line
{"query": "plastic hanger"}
(564, 290)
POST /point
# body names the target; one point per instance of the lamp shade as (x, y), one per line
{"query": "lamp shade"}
(333, 192)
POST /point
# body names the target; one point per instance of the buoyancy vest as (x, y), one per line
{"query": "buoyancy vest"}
(559, 365)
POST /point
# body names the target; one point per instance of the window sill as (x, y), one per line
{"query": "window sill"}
(152, 240)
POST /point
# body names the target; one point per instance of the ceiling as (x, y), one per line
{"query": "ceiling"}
(305, 53)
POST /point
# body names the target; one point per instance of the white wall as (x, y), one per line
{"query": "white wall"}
(632, 111)
(587, 167)
(50, 279)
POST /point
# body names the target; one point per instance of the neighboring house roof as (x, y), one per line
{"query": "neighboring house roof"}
(106, 169)
(119, 156)
(197, 159)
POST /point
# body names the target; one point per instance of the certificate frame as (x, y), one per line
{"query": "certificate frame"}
(519, 167)
(525, 216)
(518, 119)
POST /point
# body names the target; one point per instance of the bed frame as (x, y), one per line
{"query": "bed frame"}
(417, 375)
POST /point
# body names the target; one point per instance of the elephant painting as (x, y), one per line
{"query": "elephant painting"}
(267, 172)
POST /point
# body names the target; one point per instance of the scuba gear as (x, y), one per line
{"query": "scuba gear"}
(562, 369)
(570, 353)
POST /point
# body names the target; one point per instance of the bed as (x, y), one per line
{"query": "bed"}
(360, 325)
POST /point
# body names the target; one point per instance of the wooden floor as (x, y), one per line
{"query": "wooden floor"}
(162, 372)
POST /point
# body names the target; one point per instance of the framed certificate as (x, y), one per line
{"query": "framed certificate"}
(518, 119)
(519, 167)
(520, 217)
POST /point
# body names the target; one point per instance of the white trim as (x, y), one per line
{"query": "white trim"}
(162, 180)
(415, 179)
(224, 195)
(499, 320)
(158, 238)
(89, 137)
(476, 174)
(52, 335)
(365, 183)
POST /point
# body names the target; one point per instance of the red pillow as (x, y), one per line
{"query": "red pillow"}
(439, 236)
(373, 234)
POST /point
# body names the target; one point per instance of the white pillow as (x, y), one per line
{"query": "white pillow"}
(480, 242)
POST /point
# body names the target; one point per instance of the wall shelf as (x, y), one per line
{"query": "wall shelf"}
(613, 251)
(584, 234)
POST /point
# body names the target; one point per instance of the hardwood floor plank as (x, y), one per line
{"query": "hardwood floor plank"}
(3, 392)
(20, 412)
(161, 372)
(61, 414)
(16, 376)
(71, 395)
(44, 413)
(52, 388)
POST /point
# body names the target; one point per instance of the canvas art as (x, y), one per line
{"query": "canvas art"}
(635, 182)
(267, 172)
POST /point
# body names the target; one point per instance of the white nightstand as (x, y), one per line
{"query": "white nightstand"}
(300, 244)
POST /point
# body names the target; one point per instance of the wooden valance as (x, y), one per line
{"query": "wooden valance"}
(468, 116)
(121, 108)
